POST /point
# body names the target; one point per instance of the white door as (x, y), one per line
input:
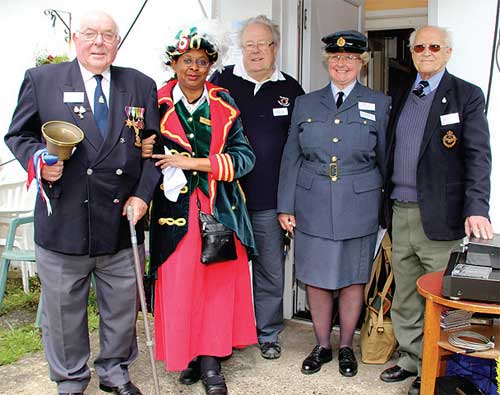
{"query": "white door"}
(320, 18)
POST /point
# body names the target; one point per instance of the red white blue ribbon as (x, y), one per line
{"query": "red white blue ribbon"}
(40, 159)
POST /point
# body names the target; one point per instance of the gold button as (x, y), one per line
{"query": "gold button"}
(309, 120)
(162, 187)
(191, 135)
(337, 121)
(89, 172)
(233, 208)
(334, 178)
(335, 139)
(116, 201)
(195, 173)
(190, 119)
(334, 159)
(119, 172)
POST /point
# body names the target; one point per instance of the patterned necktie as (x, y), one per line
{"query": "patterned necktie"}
(419, 90)
(340, 99)
(100, 107)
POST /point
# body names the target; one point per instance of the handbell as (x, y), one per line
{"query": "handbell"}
(61, 138)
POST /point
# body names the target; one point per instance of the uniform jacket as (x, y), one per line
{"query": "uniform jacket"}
(331, 171)
(453, 182)
(100, 176)
(230, 156)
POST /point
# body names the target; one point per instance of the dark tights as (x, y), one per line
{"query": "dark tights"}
(321, 307)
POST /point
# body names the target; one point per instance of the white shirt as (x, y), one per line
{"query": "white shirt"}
(239, 71)
(90, 84)
(177, 95)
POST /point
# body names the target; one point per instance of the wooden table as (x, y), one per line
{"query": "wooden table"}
(436, 341)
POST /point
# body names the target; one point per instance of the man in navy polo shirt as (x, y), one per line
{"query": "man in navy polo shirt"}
(265, 97)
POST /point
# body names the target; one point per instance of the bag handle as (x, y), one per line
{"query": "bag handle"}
(374, 275)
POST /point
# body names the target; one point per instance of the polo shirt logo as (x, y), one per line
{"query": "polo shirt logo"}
(284, 101)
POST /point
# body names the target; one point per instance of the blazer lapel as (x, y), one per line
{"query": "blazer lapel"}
(119, 98)
(352, 99)
(437, 109)
(74, 83)
(327, 98)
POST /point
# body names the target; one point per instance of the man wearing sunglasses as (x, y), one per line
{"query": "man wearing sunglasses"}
(437, 186)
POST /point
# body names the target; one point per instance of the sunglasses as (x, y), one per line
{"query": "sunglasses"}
(419, 48)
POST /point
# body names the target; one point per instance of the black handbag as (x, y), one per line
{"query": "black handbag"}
(217, 240)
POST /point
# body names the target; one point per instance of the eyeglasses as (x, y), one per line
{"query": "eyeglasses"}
(348, 59)
(434, 48)
(91, 35)
(201, 63)
(260, 45)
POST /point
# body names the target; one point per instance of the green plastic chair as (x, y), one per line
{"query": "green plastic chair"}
(10, 254)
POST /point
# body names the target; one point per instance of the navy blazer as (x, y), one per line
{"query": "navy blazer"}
(453, 180)
(331, 173)
(87, 201)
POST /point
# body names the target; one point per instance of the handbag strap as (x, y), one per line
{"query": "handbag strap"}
(374, 275)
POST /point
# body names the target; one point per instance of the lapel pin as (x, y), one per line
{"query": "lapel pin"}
(444, 100)
(80, 110)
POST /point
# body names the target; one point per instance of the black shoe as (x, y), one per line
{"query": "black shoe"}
(395, 373)
(270, 350)
(415, 387)
(125, 389)
(192, 373)
(348, 366)
(214, 382)
(315, 359)
(70, 393)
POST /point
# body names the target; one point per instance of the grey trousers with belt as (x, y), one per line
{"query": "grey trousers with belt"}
(65, 289)
(268, 274)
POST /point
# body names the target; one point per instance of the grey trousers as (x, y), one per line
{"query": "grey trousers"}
(65, 289)
(413, 255)
(268, 274)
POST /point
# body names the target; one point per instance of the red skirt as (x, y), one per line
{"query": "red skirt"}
(201, 309)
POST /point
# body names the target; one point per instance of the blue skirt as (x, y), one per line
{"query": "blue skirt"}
(332, 264)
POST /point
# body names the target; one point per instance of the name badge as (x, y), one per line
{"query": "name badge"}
(280, 112)
(366, 106)
(73, 97)
(367, 115)
(449, 119)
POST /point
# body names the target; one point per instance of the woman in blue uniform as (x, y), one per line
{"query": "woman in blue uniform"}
(330, 192)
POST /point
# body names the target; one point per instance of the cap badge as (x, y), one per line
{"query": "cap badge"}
(340, 41)
(449, 139)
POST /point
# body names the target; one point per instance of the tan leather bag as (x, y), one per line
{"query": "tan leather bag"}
(378, 342)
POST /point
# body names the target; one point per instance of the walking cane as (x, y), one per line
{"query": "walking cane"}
(142, 297)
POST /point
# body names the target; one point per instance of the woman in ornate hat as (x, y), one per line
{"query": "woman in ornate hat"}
(201, 310)
(330, 193)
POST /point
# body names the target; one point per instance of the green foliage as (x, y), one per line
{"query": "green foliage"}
(50, 59)
(18, 335)
(16, 343)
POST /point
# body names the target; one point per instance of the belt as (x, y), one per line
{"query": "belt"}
(399, 203)
(333, 170)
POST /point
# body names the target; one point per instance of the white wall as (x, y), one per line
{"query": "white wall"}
(472, 24)
(25, 29)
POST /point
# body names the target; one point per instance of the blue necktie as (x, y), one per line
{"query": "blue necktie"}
(100, 107)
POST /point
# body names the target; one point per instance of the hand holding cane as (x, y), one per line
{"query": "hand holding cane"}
(142, 297)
